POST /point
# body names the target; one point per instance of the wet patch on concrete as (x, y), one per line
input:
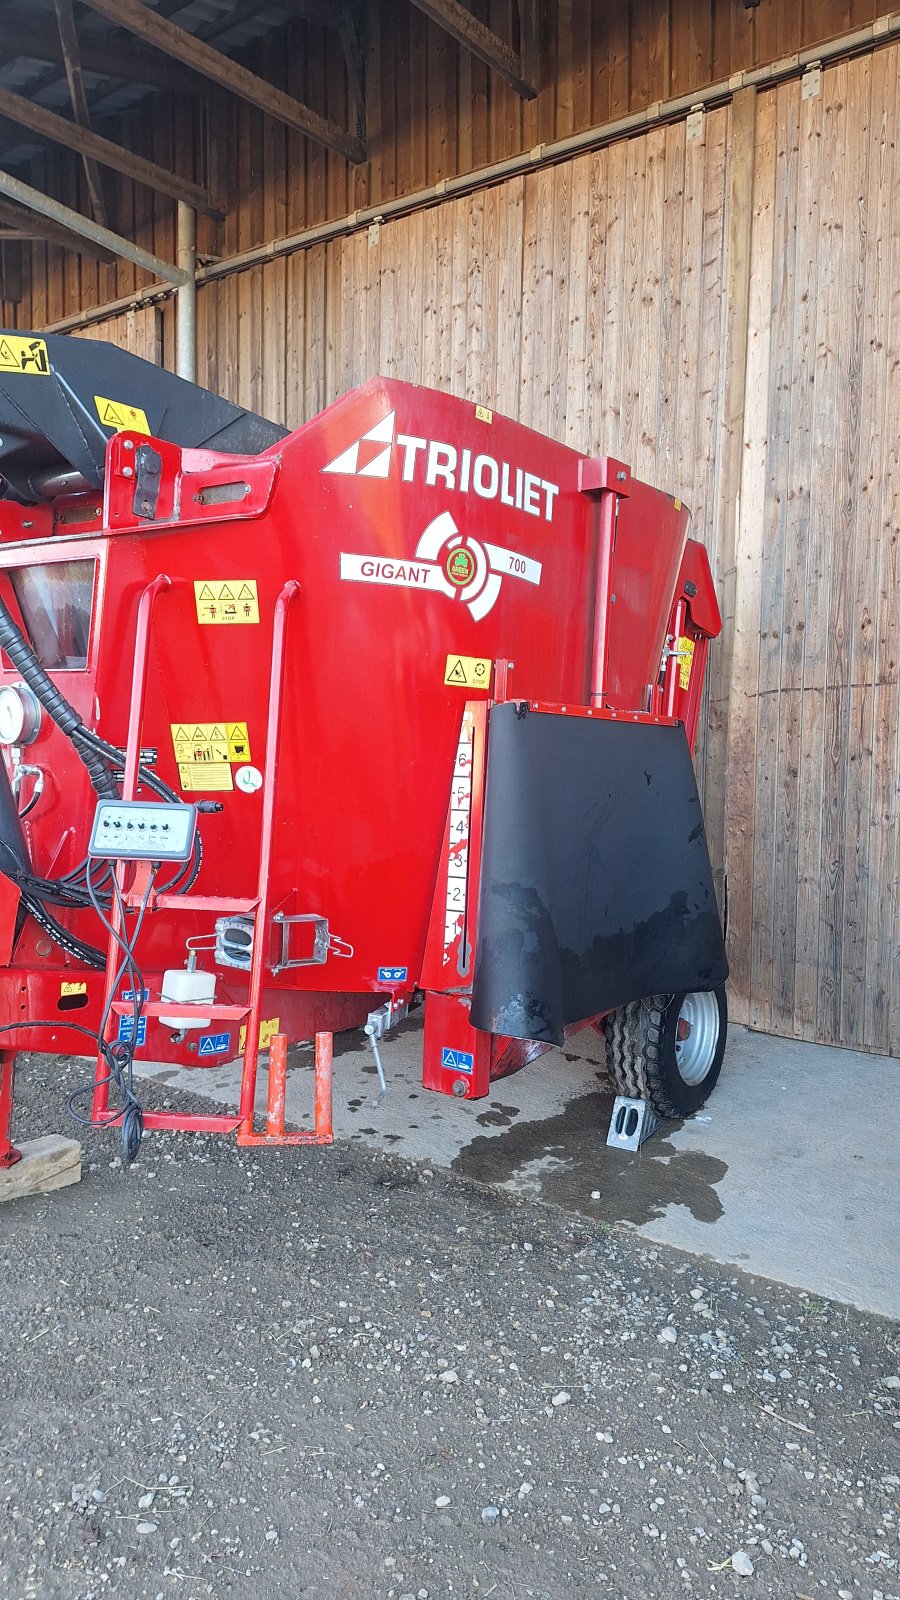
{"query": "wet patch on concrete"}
(499, 1116)
(351, 1043)
(564, 1161)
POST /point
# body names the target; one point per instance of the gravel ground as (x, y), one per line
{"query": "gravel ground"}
(276, 1374)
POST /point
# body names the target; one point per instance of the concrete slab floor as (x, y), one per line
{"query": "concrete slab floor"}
(788, 1172)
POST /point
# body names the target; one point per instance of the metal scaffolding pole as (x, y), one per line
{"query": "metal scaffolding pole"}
(186, 298)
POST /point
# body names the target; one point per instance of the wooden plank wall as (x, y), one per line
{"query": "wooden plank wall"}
(814, 764)
(139, 330)
(433, 111)
(589, 300)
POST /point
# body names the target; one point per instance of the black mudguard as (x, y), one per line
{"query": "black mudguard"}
(596, 885)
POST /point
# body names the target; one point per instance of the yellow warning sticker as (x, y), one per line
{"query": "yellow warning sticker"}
(685, 662)
(238, 743)
(235, 600)
(484, 414)
(194, 775)
(468, 672)
(121, 416)
(28, 356)
(72, 988)
(267, 1030)
(210, 741)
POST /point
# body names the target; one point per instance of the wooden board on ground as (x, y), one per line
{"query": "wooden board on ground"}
(48, 1163)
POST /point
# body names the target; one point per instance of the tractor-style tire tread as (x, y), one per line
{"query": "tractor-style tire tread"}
(633, 1042)
(636, 1045)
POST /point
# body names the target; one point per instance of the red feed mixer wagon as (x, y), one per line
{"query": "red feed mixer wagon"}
(299, 728)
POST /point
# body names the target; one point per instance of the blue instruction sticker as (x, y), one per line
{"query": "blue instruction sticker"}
(128, 994)
(126, 1030)
(392, 974)
(457, 1060)
(214, 1044)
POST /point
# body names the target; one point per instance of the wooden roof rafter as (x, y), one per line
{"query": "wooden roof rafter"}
(29, 225)
(481, 40)
(26, 36)
(201, 58)
(59, 130)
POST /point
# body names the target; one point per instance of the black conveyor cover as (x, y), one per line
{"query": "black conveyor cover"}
(61, 399)
(596, 886)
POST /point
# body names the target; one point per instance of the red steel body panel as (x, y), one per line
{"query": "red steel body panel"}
(418, 527)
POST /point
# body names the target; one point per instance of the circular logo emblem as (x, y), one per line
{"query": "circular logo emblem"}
(248, 779)
(460, 566)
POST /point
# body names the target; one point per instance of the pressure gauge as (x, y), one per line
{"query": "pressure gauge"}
(20, 714)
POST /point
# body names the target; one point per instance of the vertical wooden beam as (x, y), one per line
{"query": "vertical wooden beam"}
(11, 271)
(737, 302)
(351, 36)
(530, 40)
(68, 38)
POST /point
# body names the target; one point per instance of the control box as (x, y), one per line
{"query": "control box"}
(135, 830)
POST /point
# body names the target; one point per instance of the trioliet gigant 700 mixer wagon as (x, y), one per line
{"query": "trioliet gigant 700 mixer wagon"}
(298, 727)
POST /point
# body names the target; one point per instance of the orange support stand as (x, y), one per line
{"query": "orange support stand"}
(277, 1086)
(323, 1090)
(275, 1098)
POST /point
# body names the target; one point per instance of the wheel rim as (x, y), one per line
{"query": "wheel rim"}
(697, 1036)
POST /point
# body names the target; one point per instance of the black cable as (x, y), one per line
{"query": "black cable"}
(158, 786)
(69, 942)
(54, 702)
(57, 891)
(56, 1022)
(75, 1027)
(97, 756)
(119, 1056)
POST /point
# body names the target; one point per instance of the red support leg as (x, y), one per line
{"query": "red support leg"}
(261, 919)
(457, 1057)
(9, 1155)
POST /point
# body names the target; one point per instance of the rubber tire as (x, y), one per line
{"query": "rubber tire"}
(640, 1055)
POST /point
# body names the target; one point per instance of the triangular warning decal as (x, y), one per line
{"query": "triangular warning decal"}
(206, 593)
(180, 733)
(246, 593)
(224, 592)
(456, 674)
(6, 354)
(199, 735)
(216, 733)
(121, 415)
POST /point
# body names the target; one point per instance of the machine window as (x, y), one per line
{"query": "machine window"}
(56, 601)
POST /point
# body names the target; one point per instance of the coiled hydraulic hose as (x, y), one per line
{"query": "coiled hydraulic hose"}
(20, 653)
(100, 760)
